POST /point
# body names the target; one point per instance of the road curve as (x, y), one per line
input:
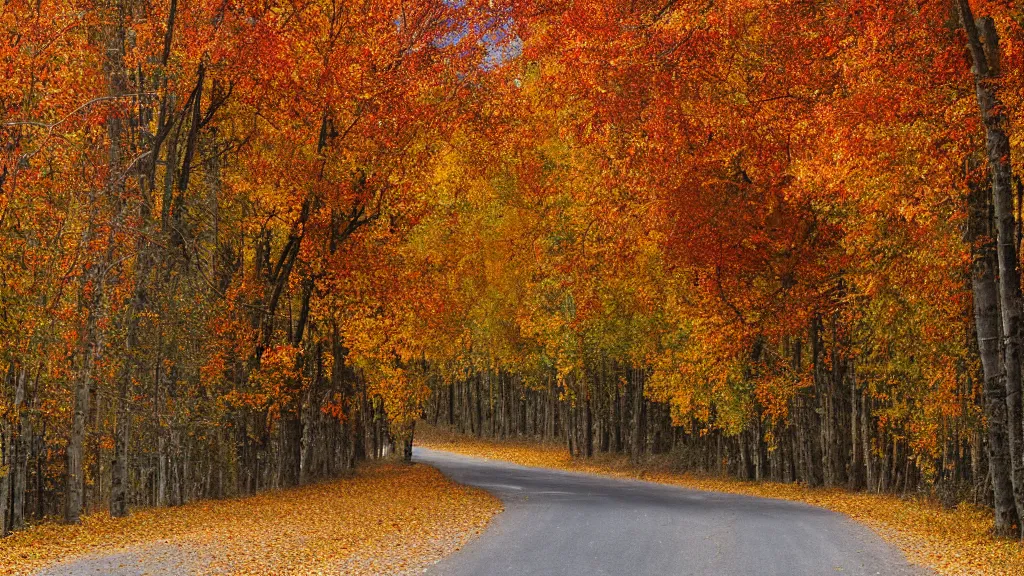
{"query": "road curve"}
(567, 524)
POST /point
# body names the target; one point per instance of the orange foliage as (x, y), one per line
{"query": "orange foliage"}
(387, 518)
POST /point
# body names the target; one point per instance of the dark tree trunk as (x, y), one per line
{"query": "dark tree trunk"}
(637, 436)
(477, 408)
(617, 418)
(856, 472)
(76, 443)
(407, 443)
(983, 44)
(5, 476)
(451, 405)
(987, 328)
(866, 437)
(588, 428)
(19, 465)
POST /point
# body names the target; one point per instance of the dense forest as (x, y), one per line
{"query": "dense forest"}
(244, 245)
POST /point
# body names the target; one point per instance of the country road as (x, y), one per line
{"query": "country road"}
(566, 524)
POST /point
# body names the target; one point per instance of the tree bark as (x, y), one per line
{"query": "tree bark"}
(5, 475)
(19, 480)
(588, 427)
(477, 408)
(983, 44)
(637, 439)
(407, 443)
(856, 448)
(451, 405)
(987, 328)
(870, 476)
(75, 450)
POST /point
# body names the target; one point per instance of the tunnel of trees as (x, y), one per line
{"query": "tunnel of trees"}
(246, 245)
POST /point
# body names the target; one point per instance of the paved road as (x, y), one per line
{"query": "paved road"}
(564, 524)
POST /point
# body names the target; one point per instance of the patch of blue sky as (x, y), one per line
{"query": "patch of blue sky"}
(496, 34)
(501, 43)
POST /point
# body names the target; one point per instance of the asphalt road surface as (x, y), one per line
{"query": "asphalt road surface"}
(565, 524)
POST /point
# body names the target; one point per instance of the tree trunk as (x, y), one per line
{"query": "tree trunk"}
(617, 419)
(19, 480)
(75, 450)
(637, 439)
(451, 405)
(987, 327)
(407, 443)
(119, 468)
(870, 479)
(5, 476)
(984, 48)
(588, 428)
(855, 474)
(116, 86)
(308, 420)
(477, 408)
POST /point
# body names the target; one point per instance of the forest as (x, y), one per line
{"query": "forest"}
(247, 245)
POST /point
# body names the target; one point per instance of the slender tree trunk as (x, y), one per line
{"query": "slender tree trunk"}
(122, 424)
(407, 443)
(983, 44)
(637, 444)
(119, 469)
(117, 86)
(856, 446)
(617, 418)
(5, 476)
(451, 405)
(477, 408)
(870, 476)
(161, 471)
(987, 328)
(90, 299)
(550, 406)
(588, 427)
(75, 450)
(309, 420)
(19, 481)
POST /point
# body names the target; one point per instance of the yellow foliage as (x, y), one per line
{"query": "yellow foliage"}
(386, 519)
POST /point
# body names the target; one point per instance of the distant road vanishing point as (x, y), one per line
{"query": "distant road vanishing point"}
(559, 523)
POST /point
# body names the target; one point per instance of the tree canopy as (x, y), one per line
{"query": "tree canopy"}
(243, 245)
